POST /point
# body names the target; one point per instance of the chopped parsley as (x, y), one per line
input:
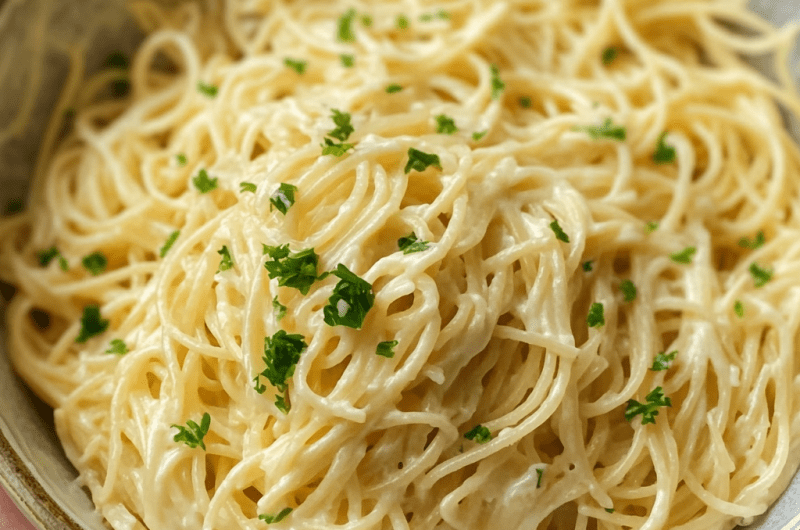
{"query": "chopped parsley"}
(540, 472)
(193, 436)
(650, 227)
(298, 65)
(607, 130)
(281, 353)
(738, 308)
(420, 161)
(587, 265)
(91, 323)
(345, 26)
(525, 102)
(347, 59)
(180, 158)
(609, 54)
(760, 275)
(118, 60)
(46, 256)
(283, 197)
(393, 88)
(352, 298)
(247, 186)
(269, 519)
(411, 244)
(278, 308)
(117, 347)
(386, 348)
(756, 242)
(560, 234)
(206, 89)
(441, 15)
(445, 124)
(366, 20)
(497, 84)
(343, 128)
(14, 206)
(479, 434)
(610, 510)
(664, 154)
(168, 244)
(663, 360)
(595, 319)
(684, 256)
(203, 183)
(402, 22)
(628, 290)
(648, 410)
(297, 270)
(226, 262)
(478, 135)
(95, 263)
(331, 148)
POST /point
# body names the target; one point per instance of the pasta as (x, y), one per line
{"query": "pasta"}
(564, 248)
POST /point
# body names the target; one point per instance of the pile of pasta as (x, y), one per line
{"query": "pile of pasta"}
(420, 265)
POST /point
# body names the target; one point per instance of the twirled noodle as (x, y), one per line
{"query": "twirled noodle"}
(491, 320)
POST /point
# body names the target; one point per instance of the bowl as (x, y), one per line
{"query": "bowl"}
(35, 36)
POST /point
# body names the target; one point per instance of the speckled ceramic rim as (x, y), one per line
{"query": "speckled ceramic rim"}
(28, 495)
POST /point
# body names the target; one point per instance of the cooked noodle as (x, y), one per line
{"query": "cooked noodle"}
(490, 320)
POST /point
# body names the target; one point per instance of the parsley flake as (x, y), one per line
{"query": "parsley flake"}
(560, 234)
(91, 323)
(343, 128)
(46, 256)
(525, 102)
(684, 256)
(663, 360)
(497, 84)
(738, 308)
(347, 59)
(169, 242)
(297, 65)
(278, 308)
(117, 347)
(206, 89)
(345, 26)
(269, 519)
(331, 148)
(180, 158)
(281, 353)
(226, 262)
(429, 17)
(628, 290)
(402, 22)
(411, 244)
(610, 510)
(607, 130)
(352, 298)
(664, 154)
(283, 197)
(648, 410)
(756, 242)
(14, 206)
(193, 436)
(587, 265)
(596, 318)
(477, 136)
(386, 348)
(203, 183)
(118, 60)
(95, 263)
(445, 124)
(297, 270)
(420, 161)
(609, 54)
(393, 88)
(760, 275)
(247, 186)
(650, 227)
(540, 472)
(478, 434)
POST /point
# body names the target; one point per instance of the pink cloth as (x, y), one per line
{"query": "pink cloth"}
(10, 516)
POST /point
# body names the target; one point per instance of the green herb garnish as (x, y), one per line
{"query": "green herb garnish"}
(117, 347)
(91, 323)
(441, 15)
(662, 360)
(283, 198)
(738, 308)
(352, 298)
(595, 319)
(206, 89)
(247, 186)
(343, 128)
(497, 84)
(756, 242)
(402, 21)
(664, 154)
(95, 263)
(347, 59)
(168, 244)
(587, 266)
(297, 65)
(281, 353)
(278, 308)
(760, 274)
(332, 148)
(684, 256)
(203, 183)
(478, 135)
(297, 270)
(411, 244)
(226, 262)
(607, 130)
(193, 436)
(366, 20)
(386, 348)
(540, 472)
(560, 234)
(14, 206)
(180, 158)
(118, 60)
(525, 102)
(650, 227)
(479, 434)
(445, 124)
(393, 88)
(610, 510)
(345, 26)
(46, 256)
(420, 161)
(628, 290)
(269, 519)
(649, 410)
(609, 54)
